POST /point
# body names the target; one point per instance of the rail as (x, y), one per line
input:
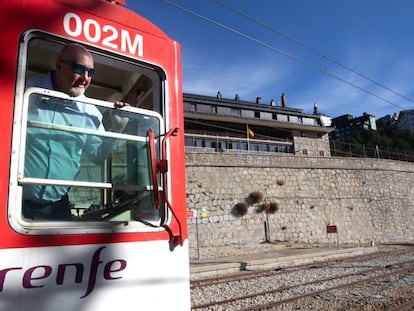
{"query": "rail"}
(359, 273)
(337, 148)
(228, 143)
(344, 149)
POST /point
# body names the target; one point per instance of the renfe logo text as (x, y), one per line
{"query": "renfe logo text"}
(35, 277)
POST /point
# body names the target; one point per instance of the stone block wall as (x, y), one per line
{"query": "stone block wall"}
(313, 147)
(367, 199)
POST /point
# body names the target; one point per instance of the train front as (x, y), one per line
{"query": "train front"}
(92, 192)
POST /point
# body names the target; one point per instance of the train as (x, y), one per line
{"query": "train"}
(118, 171)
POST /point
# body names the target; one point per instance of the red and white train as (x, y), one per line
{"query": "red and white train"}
(125, 244)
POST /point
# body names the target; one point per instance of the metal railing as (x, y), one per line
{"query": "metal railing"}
(227, 143)
(337, 148)
(344, 149)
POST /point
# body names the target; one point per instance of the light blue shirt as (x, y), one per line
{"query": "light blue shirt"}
(56, 154)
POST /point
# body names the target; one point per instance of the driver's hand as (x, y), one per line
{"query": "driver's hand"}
(118, 119)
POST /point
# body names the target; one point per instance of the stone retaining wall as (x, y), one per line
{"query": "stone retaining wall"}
(367, 199)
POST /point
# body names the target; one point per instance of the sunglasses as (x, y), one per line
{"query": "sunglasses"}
(78, 68)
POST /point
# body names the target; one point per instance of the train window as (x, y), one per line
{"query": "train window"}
(100, 175)
(115, 78)
(74, 165)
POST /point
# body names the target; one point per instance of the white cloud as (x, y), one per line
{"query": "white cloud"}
(379, 64)
(268, 75)
(239, 75)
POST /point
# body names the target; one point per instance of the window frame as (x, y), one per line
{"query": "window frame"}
(19, 129)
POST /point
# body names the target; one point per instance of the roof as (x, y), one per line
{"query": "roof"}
(233, 103)
(239, 104)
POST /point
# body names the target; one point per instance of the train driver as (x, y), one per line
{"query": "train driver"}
(57, 154)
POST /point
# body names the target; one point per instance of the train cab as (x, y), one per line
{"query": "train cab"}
(92, 198)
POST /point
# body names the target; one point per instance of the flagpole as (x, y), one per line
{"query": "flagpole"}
(248, 137)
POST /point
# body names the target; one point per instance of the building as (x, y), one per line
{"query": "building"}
(225, 124)
(387, 122)
(348, 126)
(406, 120)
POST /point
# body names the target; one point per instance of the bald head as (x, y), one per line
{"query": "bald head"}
(65, 79)
(73, 50)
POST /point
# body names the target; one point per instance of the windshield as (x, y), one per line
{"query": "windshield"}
(88, 155)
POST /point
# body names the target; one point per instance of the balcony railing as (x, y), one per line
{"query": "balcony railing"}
(227, 143)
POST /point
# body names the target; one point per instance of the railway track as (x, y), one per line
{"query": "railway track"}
(245, 275)
(386, 277)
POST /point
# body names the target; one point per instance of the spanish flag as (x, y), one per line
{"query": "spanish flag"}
(250, 132)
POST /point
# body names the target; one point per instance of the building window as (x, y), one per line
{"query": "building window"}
(190, 107)
(254, 147)
(305, 151)
(209, 143)
(188, 141)
(257, 114)
(272, 148)
(235, 112)
(293, 119)
(222, 146)
(243, 146)
(282, 117)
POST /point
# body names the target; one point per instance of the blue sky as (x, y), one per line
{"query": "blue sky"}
(373, 38)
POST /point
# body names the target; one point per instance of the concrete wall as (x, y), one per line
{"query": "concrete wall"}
(367, 199)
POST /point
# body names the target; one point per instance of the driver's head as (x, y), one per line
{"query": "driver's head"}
(74, 70)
